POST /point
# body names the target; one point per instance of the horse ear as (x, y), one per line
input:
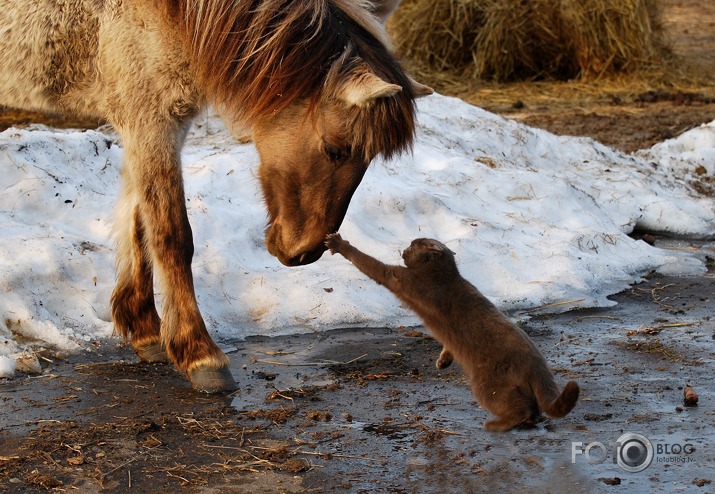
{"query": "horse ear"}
(385, 8)
(419, 89)
(364, 87)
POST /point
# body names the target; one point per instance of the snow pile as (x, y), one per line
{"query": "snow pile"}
(690, 156)
(534, 219)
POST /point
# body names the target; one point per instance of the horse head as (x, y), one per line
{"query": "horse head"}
(314, 155)
(323, 94)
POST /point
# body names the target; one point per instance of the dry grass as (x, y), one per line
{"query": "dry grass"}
(506, 40)
(437, 33)
(614, 36)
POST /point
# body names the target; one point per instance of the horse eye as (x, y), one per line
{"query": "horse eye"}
(336, 154)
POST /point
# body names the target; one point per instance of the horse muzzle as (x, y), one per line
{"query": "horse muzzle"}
(299, 255)
(307, 257)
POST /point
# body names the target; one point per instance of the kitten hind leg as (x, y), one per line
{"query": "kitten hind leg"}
(512, 408)
(509, 423)
(445, 359)
(499, 425)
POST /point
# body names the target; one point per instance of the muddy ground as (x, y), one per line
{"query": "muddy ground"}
(365, 411)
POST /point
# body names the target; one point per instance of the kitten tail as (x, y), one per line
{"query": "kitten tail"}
(563, 403)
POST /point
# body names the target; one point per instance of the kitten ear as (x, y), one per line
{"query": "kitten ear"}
(433, 246)
(436, 246)
(385, 8)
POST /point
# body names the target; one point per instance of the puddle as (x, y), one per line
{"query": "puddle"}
(388, 431)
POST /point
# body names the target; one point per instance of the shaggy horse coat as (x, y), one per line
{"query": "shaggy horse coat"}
(314, 80)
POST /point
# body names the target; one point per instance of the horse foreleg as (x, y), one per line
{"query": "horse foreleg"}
(133, 309)
(162, 228)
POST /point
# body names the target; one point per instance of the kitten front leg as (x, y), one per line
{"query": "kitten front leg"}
(379, 272)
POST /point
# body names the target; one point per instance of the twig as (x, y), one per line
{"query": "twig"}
(216, 446)
(657, 299)
(448, 432)
(272, 362)
(582, 362)
(335, 362)
(647, 330)
(49, 457)
(184, 479)
(131, 460)
(279, 394)
(337, 455)
(601, 317)
(43, 376)
(676, 325)
(309, 364)
(555, 304)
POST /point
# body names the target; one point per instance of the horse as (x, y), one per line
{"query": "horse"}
(315, 81)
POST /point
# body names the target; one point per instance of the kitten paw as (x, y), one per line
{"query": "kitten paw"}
(445, 359)
(334, 242)
(499, 425)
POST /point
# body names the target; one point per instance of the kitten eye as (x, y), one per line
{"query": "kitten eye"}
(336, 154)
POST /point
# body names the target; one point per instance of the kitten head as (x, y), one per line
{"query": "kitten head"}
(423, 251)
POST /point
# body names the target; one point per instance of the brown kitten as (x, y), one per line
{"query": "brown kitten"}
(509, 376)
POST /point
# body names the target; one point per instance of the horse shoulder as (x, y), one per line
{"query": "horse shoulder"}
(143, 68)
(111, 59)
(46, 49)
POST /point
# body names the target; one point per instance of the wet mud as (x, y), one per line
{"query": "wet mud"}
(366, 411)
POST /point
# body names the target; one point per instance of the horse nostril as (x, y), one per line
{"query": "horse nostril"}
(304, 258)
(297, 260)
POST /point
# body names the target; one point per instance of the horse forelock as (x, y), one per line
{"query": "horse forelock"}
(256, 57)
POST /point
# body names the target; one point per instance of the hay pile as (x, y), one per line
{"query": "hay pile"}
(506, 40)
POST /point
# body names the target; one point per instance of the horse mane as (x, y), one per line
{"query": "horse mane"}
(256, 57)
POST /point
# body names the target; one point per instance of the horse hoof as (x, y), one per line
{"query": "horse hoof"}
(210, 380)
(153, 352)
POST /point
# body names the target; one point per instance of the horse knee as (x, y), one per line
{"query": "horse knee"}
(170, 240)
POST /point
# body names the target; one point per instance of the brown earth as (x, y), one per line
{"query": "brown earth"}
(365, 411)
